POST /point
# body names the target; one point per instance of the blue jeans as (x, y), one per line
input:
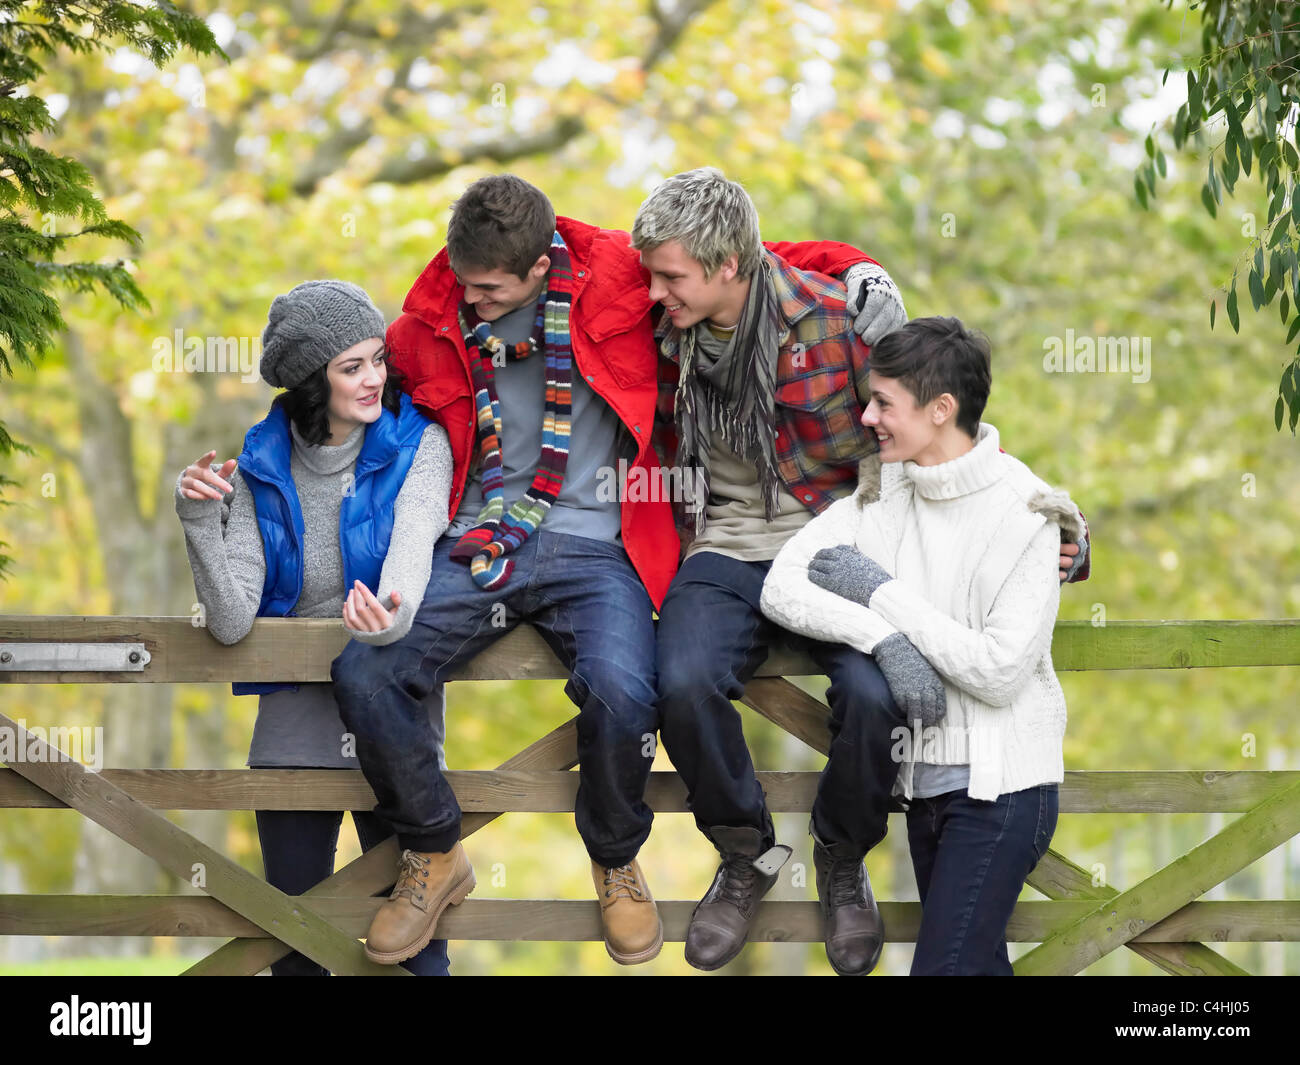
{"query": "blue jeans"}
(971, 859)
(298, 853)
(712, 639)
(589, 605)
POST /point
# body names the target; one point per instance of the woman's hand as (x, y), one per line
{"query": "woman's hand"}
(364, 613)
(848, 573)
(201, 482)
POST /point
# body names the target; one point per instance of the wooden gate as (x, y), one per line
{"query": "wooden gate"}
(1158, 918)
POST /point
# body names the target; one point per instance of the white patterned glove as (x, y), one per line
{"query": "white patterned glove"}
(874, 302)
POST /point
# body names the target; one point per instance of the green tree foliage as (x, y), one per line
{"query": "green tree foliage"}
(41, 188)
(980, 150)
(1243, 99)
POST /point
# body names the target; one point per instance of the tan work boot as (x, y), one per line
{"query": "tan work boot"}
(628, 914)
(427, 883)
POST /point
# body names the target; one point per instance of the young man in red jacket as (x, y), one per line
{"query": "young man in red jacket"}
(763, 387)
(529, 338)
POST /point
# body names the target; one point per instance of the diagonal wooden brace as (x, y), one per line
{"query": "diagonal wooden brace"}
(373, 871)
(802, 716)
(1117, 920)
(177, 851)
(1059, 878)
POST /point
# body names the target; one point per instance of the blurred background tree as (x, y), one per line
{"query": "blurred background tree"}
(1241, 109)
(43, 185)
(984, 152)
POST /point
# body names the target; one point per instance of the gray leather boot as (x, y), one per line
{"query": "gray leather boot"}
(854, 932)
(721, 921)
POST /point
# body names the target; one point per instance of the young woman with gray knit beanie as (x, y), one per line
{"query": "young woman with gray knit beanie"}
(948, 568)
(330, 511)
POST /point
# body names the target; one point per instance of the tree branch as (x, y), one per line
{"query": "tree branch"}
(42, 439)
(400, 170)
(332, 152)
(671, 25)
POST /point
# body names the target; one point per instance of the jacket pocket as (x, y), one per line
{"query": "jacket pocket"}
(627, 351)
(815, 389)
(819, 410)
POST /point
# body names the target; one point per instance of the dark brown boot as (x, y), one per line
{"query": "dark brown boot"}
(721, 921)
(855, 934)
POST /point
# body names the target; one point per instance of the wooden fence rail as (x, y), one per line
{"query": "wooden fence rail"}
(1158, 918)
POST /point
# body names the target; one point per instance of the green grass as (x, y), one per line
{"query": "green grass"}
(164, 966)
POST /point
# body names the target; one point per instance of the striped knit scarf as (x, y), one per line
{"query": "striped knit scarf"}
(498, 532)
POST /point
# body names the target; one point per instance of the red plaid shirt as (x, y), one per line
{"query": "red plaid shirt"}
(820, 438)
(821, 388)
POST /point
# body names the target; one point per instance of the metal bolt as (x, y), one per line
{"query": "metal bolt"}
(133, 657)
(5, 656)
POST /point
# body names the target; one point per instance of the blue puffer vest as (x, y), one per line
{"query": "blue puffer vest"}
(365, 518)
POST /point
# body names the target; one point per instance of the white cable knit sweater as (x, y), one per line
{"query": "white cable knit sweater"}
(973, 545)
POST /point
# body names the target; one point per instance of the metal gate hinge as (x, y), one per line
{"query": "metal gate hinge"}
(74, 657)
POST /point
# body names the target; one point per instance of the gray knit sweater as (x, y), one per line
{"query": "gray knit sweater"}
(225, 545)
(301, 727)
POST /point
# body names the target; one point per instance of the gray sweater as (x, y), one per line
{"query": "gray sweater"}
(224, 544)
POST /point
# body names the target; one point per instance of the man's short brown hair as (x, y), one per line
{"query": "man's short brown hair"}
(500, 223)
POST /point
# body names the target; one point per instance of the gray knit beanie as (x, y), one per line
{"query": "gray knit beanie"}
(311, 324)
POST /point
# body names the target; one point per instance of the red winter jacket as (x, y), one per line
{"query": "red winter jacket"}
(613, 348)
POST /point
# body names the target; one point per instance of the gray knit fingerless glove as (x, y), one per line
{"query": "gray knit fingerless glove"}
(1079, 560)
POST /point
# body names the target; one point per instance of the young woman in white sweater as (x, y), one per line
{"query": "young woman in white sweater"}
(956, 559)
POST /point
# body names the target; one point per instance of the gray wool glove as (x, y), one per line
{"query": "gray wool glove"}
(913, 683)
(874, 301)
(847, 572)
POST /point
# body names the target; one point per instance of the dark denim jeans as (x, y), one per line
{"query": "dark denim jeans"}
(590, 606)
(971, 859)
(712, 638)
(298, 853)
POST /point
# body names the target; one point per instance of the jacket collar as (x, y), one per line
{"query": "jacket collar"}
(796, 298)
(268, 446)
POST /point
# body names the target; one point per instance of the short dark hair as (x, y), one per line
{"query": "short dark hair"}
(931, 356)
(307, 404)
(501, 222)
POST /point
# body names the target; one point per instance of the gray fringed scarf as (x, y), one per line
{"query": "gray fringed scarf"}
(734, 396)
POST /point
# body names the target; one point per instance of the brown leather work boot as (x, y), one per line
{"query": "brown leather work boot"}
(721, 921)
(628, 914)
(854, 933)
(427, 883)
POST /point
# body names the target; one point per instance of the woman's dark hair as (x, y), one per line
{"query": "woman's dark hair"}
(931, 356)
(307, 404)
